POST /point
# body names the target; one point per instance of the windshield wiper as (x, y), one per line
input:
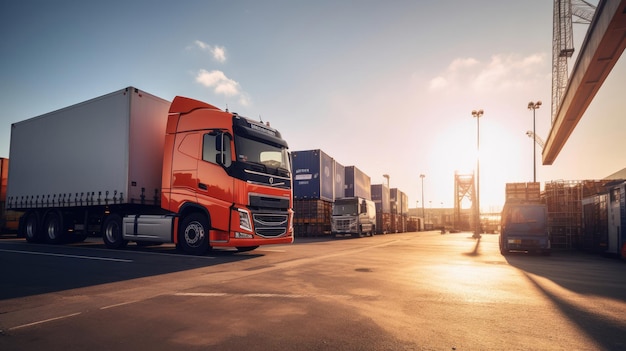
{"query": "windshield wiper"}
(256, 165)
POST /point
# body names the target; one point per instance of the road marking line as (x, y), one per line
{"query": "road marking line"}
(263, 295)
(70, 256)
(44, 321)
(118, 304)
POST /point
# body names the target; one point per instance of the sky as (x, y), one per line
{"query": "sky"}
(386, 86)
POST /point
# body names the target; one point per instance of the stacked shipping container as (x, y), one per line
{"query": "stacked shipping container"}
(399, 210)
(380, 196)
(319, 180)
(357, 183)
(313, 191)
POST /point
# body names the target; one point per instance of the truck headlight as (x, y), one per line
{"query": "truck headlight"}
(244, 220)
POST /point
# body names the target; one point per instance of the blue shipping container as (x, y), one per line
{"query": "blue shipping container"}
(357, 183)
(313, 173)
(340, 180)
(380, 196)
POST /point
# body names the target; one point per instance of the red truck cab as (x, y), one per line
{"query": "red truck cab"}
(230, 185)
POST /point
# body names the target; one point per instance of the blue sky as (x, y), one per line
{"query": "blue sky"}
(387, 86)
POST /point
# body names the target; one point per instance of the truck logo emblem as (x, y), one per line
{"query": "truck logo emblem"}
(271, 180)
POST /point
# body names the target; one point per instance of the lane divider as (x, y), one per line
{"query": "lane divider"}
(44, 321)
(69, 256)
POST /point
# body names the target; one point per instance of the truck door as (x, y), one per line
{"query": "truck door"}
(215, 186)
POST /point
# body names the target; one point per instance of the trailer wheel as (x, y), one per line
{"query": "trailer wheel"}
(31, 229)
(193, 236)
(112, 232)
(53, 227)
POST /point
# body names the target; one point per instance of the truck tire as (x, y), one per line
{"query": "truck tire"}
(112, 232)
(53, 230)
(31, 229)
(359, 233)
(193, 235)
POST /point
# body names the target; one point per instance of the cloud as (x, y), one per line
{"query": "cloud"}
(501, 72)
(218, 52)
(222, 85)
(218, 81)
(438, 83)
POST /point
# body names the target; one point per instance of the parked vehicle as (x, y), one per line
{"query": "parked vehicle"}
(134, 167)
(355, 216)
(524, 228)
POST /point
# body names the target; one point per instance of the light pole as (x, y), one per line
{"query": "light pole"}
(423, 176)
(477, 114)
(533, 106)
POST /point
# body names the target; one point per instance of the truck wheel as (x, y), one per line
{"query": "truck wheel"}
(193, 236)
(31, 229)
(358, 234)
(112, 232)
(53, 227)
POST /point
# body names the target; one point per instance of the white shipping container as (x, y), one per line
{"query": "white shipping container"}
(107, 149)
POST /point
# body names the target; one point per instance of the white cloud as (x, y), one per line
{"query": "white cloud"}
(502, 72)
(244, 99)
(218, 81)
(462, 63)
(203, 46)
(218, 52)
(438, 83)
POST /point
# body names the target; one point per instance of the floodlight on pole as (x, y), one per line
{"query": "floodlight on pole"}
(477, 114)
(534, 106)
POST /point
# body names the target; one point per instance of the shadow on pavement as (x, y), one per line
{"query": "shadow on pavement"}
(32, 269)
(585, 275)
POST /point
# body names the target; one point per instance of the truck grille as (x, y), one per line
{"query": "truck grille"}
(342, 224)
(269, 224)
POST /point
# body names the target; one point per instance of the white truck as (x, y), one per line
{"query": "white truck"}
(355, 216)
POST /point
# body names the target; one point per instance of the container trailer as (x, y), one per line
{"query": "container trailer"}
(134, 167)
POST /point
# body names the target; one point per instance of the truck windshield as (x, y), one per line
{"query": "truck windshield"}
(266, 157)
(529, 219)
(345, 209)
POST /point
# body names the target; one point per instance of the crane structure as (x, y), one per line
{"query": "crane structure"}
(563, 43)
(464, 188)
(536, 137)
